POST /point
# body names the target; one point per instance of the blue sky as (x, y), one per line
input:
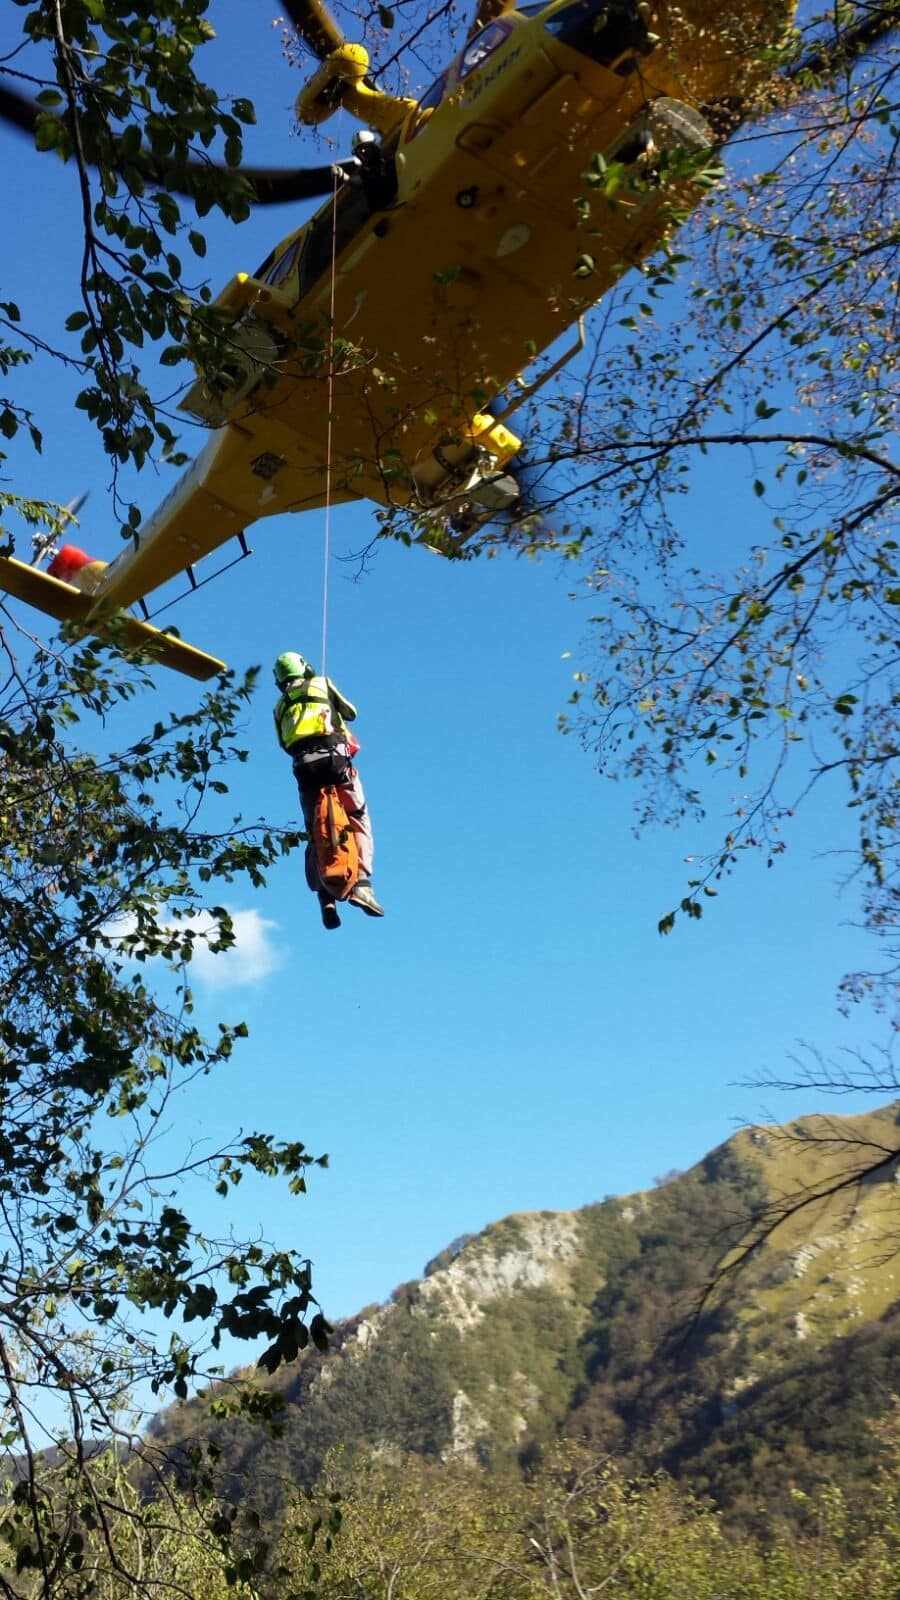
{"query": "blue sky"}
(514, 1034)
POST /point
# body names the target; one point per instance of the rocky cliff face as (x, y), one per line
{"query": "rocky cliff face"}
(529, 1251)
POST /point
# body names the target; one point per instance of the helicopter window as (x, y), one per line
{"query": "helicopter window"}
(483, 45)
(609, 31)
(433, 96)
(284, 266)
(429, 101)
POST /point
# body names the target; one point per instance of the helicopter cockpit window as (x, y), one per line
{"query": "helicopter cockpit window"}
(282, 268)
(433, 96)
(483, 45)
(611, 32)
(430, 100)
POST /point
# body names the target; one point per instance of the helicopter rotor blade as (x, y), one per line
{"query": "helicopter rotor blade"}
(277, 186)
(315, 25)
(272, 186)
(18, 110)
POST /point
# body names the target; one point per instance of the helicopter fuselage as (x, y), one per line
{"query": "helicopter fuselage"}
(426, 285)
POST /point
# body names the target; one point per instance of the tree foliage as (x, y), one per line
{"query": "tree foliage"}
(109, 1292)
(736, 669)
(579, 1528)
(382, 1528)
(123, 104)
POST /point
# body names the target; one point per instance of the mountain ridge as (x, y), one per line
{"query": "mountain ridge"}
(629, 1323)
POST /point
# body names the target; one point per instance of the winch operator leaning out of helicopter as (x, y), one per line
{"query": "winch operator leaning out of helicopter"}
(310, 720)
(370, 170)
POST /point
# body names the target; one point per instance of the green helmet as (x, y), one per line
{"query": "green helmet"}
(291, 665)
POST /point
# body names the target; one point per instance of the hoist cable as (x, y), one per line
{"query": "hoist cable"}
(329, 426)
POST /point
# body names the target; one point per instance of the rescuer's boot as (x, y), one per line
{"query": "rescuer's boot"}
(329, 911)
(364, 896)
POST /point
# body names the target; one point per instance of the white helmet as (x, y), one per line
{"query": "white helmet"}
(364, 142)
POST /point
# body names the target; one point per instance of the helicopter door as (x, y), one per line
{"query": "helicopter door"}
(327, 232)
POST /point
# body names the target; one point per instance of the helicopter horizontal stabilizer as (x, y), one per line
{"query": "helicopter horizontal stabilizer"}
(68, 604)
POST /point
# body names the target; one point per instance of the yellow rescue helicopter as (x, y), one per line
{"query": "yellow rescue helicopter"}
(369, 349)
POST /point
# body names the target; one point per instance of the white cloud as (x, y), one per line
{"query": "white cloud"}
(252, 957)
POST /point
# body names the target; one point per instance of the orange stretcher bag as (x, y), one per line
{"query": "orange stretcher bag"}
(334, 844)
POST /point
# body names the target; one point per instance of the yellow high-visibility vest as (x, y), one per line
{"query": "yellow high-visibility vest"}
(306, 711)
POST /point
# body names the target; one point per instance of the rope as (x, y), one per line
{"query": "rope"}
(329, 430)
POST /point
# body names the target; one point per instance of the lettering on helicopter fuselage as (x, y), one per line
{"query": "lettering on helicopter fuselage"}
(471, 61)
(471, 91)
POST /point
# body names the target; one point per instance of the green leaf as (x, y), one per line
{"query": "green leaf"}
(48, 133)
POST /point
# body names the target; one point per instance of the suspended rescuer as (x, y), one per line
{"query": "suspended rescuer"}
(310, 720)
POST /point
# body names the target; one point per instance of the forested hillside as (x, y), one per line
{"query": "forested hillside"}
(736, 1326)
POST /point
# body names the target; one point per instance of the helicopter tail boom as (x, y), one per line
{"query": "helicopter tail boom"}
(67, 604)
